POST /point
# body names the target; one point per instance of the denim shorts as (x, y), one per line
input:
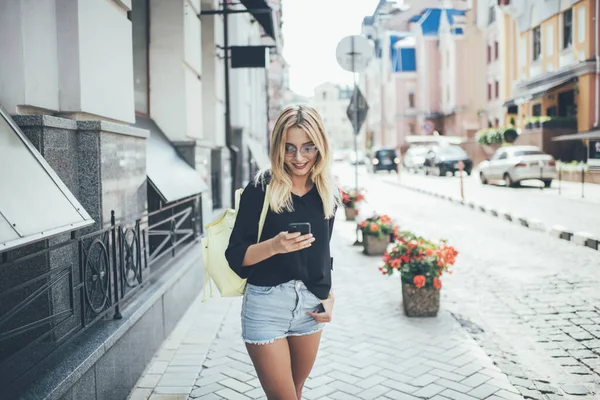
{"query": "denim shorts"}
(276, 312)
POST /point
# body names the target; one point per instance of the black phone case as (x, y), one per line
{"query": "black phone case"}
(302, 227)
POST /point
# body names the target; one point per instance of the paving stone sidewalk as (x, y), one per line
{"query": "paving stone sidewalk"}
(369, 351)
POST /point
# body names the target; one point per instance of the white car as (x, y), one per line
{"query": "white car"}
(514, 164)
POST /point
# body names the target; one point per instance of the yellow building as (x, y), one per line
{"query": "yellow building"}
(551, 69)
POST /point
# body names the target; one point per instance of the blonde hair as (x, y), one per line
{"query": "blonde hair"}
(309, 120)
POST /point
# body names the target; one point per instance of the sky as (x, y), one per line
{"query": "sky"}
(311, 32)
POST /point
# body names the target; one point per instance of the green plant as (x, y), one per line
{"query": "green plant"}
(420, 262)
(378, 226)
(489, 136)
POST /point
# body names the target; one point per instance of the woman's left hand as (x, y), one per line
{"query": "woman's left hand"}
(322, 317)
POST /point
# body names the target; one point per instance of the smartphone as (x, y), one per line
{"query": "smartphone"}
(302, 227)
(320, 308)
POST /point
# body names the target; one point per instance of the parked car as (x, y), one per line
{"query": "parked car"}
(440, 160)
(514, 164)
(414, 158)
(385, 159)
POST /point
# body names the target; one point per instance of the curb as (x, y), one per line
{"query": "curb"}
(560, 232)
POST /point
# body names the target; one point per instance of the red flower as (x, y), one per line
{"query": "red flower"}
(419, 281)
(437, 283)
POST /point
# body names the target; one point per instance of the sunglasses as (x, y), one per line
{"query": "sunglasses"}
(306, 150)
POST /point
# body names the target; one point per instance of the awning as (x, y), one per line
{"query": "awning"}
(578, 136)
(259, 154)
(167, 172)
(541, 89)
(34, 203)
(263, 14)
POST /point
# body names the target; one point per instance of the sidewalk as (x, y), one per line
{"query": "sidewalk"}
(369, 351)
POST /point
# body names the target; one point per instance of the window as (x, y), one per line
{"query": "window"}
(497, 88)
(411, 100)
(495, 50)
(492, 15)
(489, 54)
(527, 153)
(496, 123)
(537, 43)
(567, 29)
(536, 110)
(489, 91)
(140, 37)
(503, 156)
(324, 95)
(412, 128)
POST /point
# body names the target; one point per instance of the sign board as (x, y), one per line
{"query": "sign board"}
(357, 110)
(428, 127)
(594, 152)
(354, 53)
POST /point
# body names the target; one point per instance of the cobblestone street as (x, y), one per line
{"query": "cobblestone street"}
(530, 300)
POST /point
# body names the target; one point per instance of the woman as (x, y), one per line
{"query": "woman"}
(288, 297)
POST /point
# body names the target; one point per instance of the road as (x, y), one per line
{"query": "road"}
(567, 209)
(530, 300)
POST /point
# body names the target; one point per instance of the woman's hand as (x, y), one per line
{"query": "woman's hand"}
(322, 317)
(288, 242)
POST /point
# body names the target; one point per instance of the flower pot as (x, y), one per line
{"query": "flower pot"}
(350, 213)
(423, 302)
(375, 246)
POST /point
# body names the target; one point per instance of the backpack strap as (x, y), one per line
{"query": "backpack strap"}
(263, 214)
(238, 195)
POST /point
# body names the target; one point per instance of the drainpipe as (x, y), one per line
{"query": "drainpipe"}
(597, 67)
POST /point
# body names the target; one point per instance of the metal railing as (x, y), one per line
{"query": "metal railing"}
(53, 290)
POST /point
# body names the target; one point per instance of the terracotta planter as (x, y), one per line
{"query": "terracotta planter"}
(350, 214)
(423, 302)
(374, 246)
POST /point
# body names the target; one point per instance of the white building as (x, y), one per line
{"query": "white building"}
(117, 107)
(331, 101)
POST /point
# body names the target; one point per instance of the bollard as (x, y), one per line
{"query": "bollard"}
(582, 180)
(461, 167)
(559, 177)
(541, 164)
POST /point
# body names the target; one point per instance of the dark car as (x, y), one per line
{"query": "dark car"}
(441, 160)
(385, 160)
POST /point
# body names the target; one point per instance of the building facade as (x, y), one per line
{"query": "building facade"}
(411, 84)
(125, 129)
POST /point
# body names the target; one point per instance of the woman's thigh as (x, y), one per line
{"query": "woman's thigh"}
(303, 353)
(273, 366)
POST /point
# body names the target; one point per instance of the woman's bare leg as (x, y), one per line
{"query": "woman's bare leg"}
(303, 353)
(274, 369)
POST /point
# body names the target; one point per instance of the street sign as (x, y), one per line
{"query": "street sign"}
(357, 110)
(428, 127)
(354, 53)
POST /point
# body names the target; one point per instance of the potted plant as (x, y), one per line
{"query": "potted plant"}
(376, 233)
(421, 264)
(350, 197)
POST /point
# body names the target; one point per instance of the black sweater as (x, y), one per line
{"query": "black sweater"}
(312, 265)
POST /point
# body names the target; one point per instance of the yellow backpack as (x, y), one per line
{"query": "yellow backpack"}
(215, 242)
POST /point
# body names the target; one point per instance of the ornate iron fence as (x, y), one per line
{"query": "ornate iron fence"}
(53, 290)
